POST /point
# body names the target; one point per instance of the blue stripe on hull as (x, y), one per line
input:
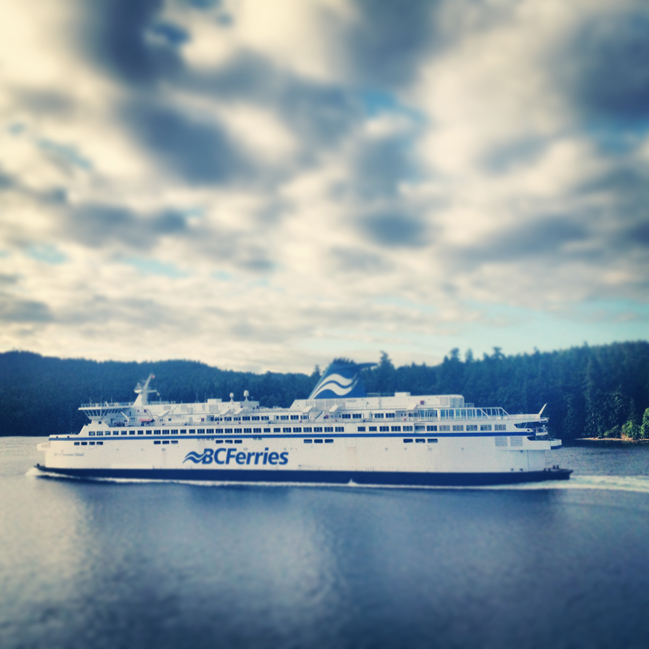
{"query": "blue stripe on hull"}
(378, 478)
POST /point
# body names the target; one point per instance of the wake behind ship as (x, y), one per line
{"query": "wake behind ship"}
(339, 435)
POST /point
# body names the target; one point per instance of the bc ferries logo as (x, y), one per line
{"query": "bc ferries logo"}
(342, 379)
(337, 384)
(235, 456)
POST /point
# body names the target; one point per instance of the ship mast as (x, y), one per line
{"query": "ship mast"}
(143, 392)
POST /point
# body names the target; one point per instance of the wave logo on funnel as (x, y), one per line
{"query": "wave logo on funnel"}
(338, 384)
(342, 379)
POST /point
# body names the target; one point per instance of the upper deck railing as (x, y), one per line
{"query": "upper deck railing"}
(122, 404)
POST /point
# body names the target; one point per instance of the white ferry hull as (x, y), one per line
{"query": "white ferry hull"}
(331, 459)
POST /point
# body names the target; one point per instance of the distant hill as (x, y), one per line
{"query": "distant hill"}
(589, 390)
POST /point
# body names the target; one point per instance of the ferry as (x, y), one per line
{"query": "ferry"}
(339, 435)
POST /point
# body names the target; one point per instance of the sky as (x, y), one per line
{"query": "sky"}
(267, 185)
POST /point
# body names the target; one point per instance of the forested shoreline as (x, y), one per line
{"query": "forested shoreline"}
(591, 391)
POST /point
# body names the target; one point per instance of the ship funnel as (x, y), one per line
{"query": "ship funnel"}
(341, 379)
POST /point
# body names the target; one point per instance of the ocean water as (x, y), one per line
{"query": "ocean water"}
(115, 565)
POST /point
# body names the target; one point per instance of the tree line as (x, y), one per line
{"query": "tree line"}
(591, 391)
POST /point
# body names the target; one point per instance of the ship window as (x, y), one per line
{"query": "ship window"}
(100, 434)
(210, 431)
(500, 427)
(407, 428)
(318, 429)
(255, 418)
(485, 426)
(294, 417)
(124, 432)
(308, 441)
(458, 429)
(284, 417)
(266, 430)
(100, 443)
(166, 441)
(329, 441)
(131, 432)
(156, 432)
(140, 432)
(218, 441)
(174, 431)
(407, 441)
(431, 428)
(264, 417)
(501, 441)
(287, 430)
(307, 429)
(245, 418)
(227, 430)
(256, 430)
(445, 428)
(318, 441)
(84, 443)
(358, 416)
(389, 415)
(396, 429)
(192, 431)
(420, 427)
(432, 441)
(346, 416)
(471, 427)
(174, 441)
(116, 433)
(420, 441)
(228, 441)
(277, 430)
(157, 441)
(361, 429)
(372, 429)
(238, 441)
(384, 429)
(378, 415)
(76, 443)
(340, 429)
(237, 419)
(218, 430)
(91, 433)
(228, 419)
(297, 430)
(237, 430)
(247, 430)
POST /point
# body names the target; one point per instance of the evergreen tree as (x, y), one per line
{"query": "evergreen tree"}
(644, 431)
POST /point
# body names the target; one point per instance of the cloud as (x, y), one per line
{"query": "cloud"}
(394, 230)
(195, 151)
(606, 69)
(265, 185)
(115, 33)
(21, 311)
(387, 41)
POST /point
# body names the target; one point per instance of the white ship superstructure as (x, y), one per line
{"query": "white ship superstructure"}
(339, 435)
